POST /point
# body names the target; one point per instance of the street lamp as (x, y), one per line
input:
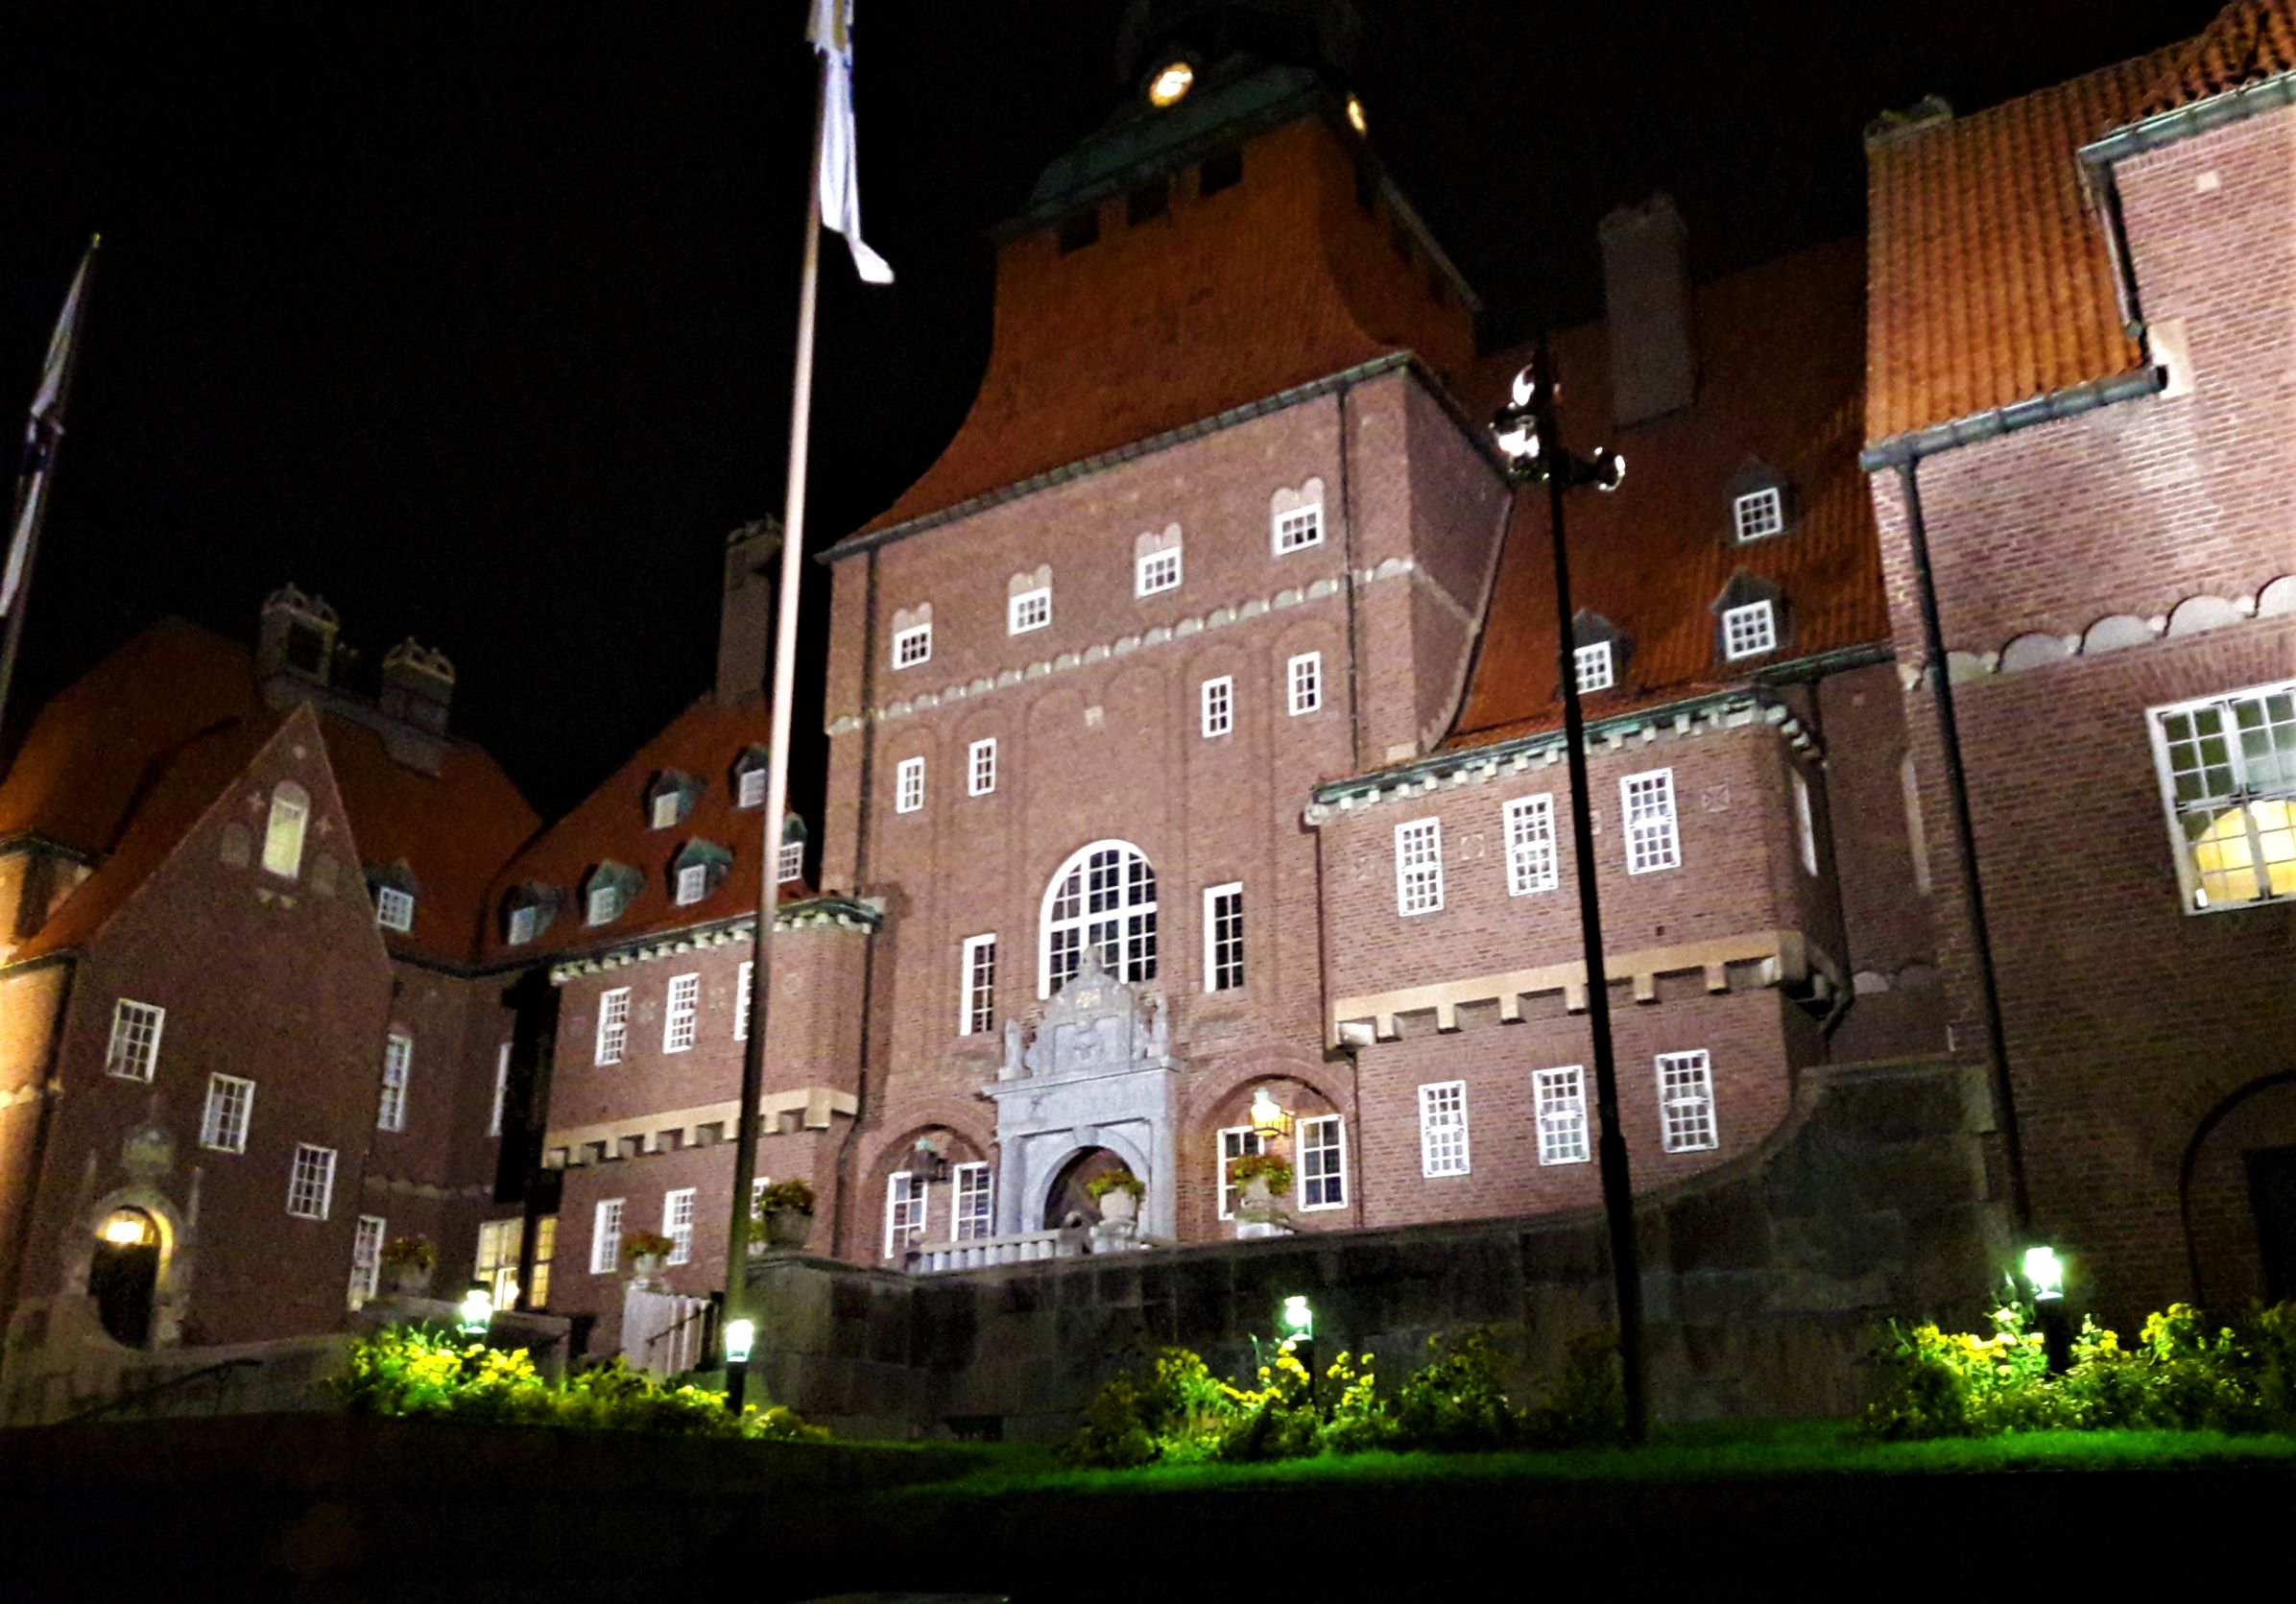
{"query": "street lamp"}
(478, 1311)
(740, 1336)
(1529, 435)
(2045, 1274)
(1296, 1319)
(1269, 1120)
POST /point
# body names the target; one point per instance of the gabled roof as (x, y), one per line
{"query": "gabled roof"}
(2250, 40)
(1780, 377)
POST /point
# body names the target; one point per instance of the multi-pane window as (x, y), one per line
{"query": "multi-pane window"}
(1686, 1101)
(1749, 631)
(283, 830)
(1561, 1098)
(523, 920)
(1531, 866)
(976, 1005)
(666, 809)
(311, 1181)
(366, 1257)
(1031, 610)
(502, 1088)
(1322, 1163)
(980, 767)
(1442, 1127)
(1303, 678)
(677, 1223)
(744, 999)
(678, 1019)
(693, 883)
(908, 785)
(1236, 1142)
(398, 1062)
(1593, 666)
(750, 789)
(1805, 828)
(789, 862)
(904, 1211)
(603, 903)
(973, 1214)
(1758, 513)
(1652, 837)
(2227, 768)
(1219, 706)
(913, 645)
(1102, 897)
(134, 1049)
(1419, 867)
(1299, 528)
(614, 1025)
(545, 1247)
(496, 1265)
(1224, 938)
(1156, 571)
(230, 1104)
(393, 908)
(606, 1236)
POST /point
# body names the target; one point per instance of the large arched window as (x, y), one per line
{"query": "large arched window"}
(283, 835)
(1104, 895)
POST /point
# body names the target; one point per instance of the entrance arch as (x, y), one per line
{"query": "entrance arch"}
(123, 1275)
(1066, 1194)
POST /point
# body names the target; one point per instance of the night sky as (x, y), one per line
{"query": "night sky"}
(476, 319)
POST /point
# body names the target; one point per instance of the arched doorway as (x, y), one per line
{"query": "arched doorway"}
(2236, 1191)
(123, 1273)
(1068, 1194)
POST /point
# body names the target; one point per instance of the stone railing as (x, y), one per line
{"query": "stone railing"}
(1025, 1247)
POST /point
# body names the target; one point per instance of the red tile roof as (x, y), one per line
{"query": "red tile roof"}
(2249, 41)
(1779, 373)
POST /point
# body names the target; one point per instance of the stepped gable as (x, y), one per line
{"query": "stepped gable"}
(2251, 40)
(1778, 381)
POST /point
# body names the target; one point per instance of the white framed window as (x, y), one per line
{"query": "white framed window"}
(283, 830)
(666, 809)
(393, 908)
(1749, 631)
(495, 1265)
(1758, 514)
(1805, 828)
(614, 1025)
(1652, 835)
(908, 785)
(1298, 529)
(789, 862)
(1419, 867)
(1442, 1127)
(1560, 1099)
(1237, 1141)
(1686, 1101)
(366, 1257)
(311, 1181)
(980, 767)
(604, 904)
(502, 1088)
(134, 1049)
(1219, 706)
(606, 1236)
(749, 788)
(913, 645)
(1531, 864)
(1594, 667)
(693, 883)
(1224, 938)
(398, 1064)
(1031, 610)
(743, 1000)
(680, 1019)
(1304, 680)
(677, 1224)
(972, 1215)
(230, 1105)
(545, 1249)
(976, 1002)
(523, 920)
(1104, 897)
(1322, 1178)
(2227, 768)
(905, 1212)
(1156, 570)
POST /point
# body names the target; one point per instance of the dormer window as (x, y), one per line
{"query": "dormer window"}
(693, 883)
(790, 865)
(698, 870)
(749, 778)
(670, 798)
(605, 905)
(1594, 669)
(1296, 517)
(609, 893)
(1598, 652)
(665, 811)
(526, 912)
(283, 832)
(525, 920)
(1031, 610)
(1749, 631)
(913, 636)
(1156, 561)
(394, 909)
(1758, 514)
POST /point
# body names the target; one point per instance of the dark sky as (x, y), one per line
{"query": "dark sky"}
(476, 319)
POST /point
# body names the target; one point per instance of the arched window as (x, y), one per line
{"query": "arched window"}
(283, 835)
(1104, 895)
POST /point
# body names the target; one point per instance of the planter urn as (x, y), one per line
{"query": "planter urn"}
(788, 1229)
(1119, 1205)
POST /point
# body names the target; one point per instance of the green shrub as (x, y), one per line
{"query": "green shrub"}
(1458, 1400)
(1586, 1406)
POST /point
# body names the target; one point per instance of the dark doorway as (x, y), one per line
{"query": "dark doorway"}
(124, 1273)
(1069, 1195)
(2272, 1196)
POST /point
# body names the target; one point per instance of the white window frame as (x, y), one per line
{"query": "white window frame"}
(603, 905)
(1806, 825)
(525, 919)
(1326, 1187)
(1154, 572)
(693, 883)
(908, 785)
(1442, 1147)
(913, 645)
(398, 1066)
(494, 1258)
(666, 809)
(1419, 867)
(1029, 611)
(1559, 1106)
(613, 1026)
(980, 767)
(1217, 697)
(1296, 528)
(789, 862)
(283, 829)
(1687, 1102)
(1533, 862)
(973, 1203)
(1596, 666)
(1224, 937)
(1107, 913)
(749, 790)
(1749, 629)
(1758, 514)
(366, 1257)
(2253, 777)
(311, 1181)
(907, 1199)
(502, 1090)
(393, 908)
(744, 998)
(682, 1012)
(231, 1110)
(1245, 1139)
(606, 1235)
(134, 1052)
(1653, 827)
(1303, 683)
(677, 1223)
(976, 986)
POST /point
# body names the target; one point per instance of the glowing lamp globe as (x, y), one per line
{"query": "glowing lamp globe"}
(1297, 1319)
(1268, 1117)
(1172, 81)
(741, 1335)
(478, 1311)
(2045, 1274)
(1355, 117)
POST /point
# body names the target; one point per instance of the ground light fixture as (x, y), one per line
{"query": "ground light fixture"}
(2045, 1274)
(478, 1311)
(1296, 1319)
(739, 1337)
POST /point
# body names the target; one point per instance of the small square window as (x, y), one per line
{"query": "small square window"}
(523, 920)
(1596, 669)
(1300, 528)
(1749, 631)
(1156, 571)
(693, 883)
(980, 767)
(604, 905)
(912, 646)
(750, 789)
(1031, 610)
(1759, 515)
(394, 909)
(1304, 678)
(790, 862)
(1219, 706)
(908, 785)
(666, 809)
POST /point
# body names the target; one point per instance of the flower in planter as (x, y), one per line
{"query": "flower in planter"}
(1261, 1167)
(783, 1196)
(1116, 1180)
(646, 1244)
(409, 1253)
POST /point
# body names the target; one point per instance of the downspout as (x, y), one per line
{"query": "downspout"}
(1347, 541)
(868, 953)
(41, 1128)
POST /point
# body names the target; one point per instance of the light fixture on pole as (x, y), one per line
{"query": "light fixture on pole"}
(477, 1311)
(1269, 1118)
(2045, 1274)
(740, 1336)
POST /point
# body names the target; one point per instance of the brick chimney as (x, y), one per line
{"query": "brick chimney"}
(295, 635)
(1647, 302)
(745, 610)
(418, 687)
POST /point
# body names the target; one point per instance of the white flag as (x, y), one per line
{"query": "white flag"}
(833, 35)
(40, 434)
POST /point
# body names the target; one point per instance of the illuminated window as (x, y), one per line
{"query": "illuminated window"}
(1530, 825)
(1758, 513)
(905, 1212)
(1156, 571)
(976, 1003)
(908, 785)
(693, 883)
(283, 833)
(913, 645)
(134, 1049)
(1321, 1180)
(614, 1025)
(678, 1019)
(1419, 867)
(1224, 938)
(1104, 898)
(606, 1236)
(1031, 610)
(230, 1104)
(1305, 680)
(745, 999)
(1805, 828)
(398, 1062)
(1219, 706)
(496, 1264)
(1442, 1129)
(1236, 1142)
(1653, 836)
(973, 1212)
(393, 908)
(1595, 670)
(311, 1181)
(980, 767)
(665, 811)
(2227, 767)
(1561, 1096)
(1686, 1101)
(677, 1224)
(366, 1257)
(1299, 528)
(1749, 631)
(750, 789)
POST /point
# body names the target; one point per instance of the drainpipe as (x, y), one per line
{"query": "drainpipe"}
(1347, 542)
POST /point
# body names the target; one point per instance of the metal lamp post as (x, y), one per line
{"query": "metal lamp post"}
(1529, 434)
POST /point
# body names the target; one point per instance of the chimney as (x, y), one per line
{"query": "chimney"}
(745, 610)
(1647, 302)
(295, 636)
(418, 687)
